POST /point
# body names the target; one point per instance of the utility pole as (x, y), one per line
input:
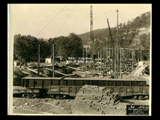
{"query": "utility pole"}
(118, 45)
(117, 30)
(53, 58)
(38, 59)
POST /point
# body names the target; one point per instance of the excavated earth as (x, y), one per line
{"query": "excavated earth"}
(90, 100)
(97, 100)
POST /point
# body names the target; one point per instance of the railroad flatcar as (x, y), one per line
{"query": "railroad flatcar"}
(63, 87)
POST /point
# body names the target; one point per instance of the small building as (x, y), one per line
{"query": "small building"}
(57, 59)
(48, 60)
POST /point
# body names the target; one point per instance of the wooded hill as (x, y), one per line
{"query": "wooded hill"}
(127, 33)
(26, 47)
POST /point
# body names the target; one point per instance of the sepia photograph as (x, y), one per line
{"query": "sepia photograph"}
(79, 59)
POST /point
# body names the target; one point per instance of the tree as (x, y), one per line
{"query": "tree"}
(74, 46)
(25, 48)
(45, 48)
(145, 40)
(70, 46)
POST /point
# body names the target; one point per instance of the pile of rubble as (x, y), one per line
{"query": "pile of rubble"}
(96, 100)
(42, 106)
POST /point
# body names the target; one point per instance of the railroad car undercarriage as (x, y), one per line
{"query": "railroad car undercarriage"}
(68, 87)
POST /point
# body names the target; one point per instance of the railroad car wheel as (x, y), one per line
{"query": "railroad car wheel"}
(67, 96)
(52, 96)
(135, 97)
(37, 95)
(58, 96)
(145, 97)
(33, 95)
(140, 98)
(27, 95)
(23, 95)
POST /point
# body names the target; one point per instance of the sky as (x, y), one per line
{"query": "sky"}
(53, 20)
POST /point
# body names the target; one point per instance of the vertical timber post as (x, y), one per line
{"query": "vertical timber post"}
(53, 58)
(101, 58)
(105, 59)
(117, 29)
(83, 58)
(86, 54)
(118, 45)
(115, 60)
(120, 63)
(38, 59)
(98, 58)
(132, 59)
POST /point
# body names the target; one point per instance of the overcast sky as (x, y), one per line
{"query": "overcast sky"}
(53, 20)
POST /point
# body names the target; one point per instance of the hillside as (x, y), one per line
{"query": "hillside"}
(129, 33)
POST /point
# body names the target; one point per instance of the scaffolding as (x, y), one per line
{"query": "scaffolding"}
(126, 59)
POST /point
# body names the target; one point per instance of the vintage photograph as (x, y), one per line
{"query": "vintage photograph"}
(79, 59)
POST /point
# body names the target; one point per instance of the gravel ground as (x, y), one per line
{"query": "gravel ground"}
(48, 106)
(42, 106)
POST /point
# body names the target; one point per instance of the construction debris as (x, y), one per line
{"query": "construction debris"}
(93, 99)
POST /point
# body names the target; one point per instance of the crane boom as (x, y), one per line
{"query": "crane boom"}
(113, 46)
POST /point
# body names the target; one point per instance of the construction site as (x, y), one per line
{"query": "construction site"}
(104, 81)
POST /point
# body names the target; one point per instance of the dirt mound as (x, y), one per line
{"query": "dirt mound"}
(42, 106)
(96, 100)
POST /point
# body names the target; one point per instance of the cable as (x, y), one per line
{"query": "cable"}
(62, 26)
(64, 22)
(85, 21)
(50, 21)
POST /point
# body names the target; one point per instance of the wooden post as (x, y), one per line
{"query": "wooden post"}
(132, 59)
(38, 59)
(106, 58)
(117, 30)
(120, 62)
(83, 56)
(115, 59)
(109, 54)
(53, 58)
(139, 54)
(98, 58)
(125, 59)
(101, 58)
(86, 54)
